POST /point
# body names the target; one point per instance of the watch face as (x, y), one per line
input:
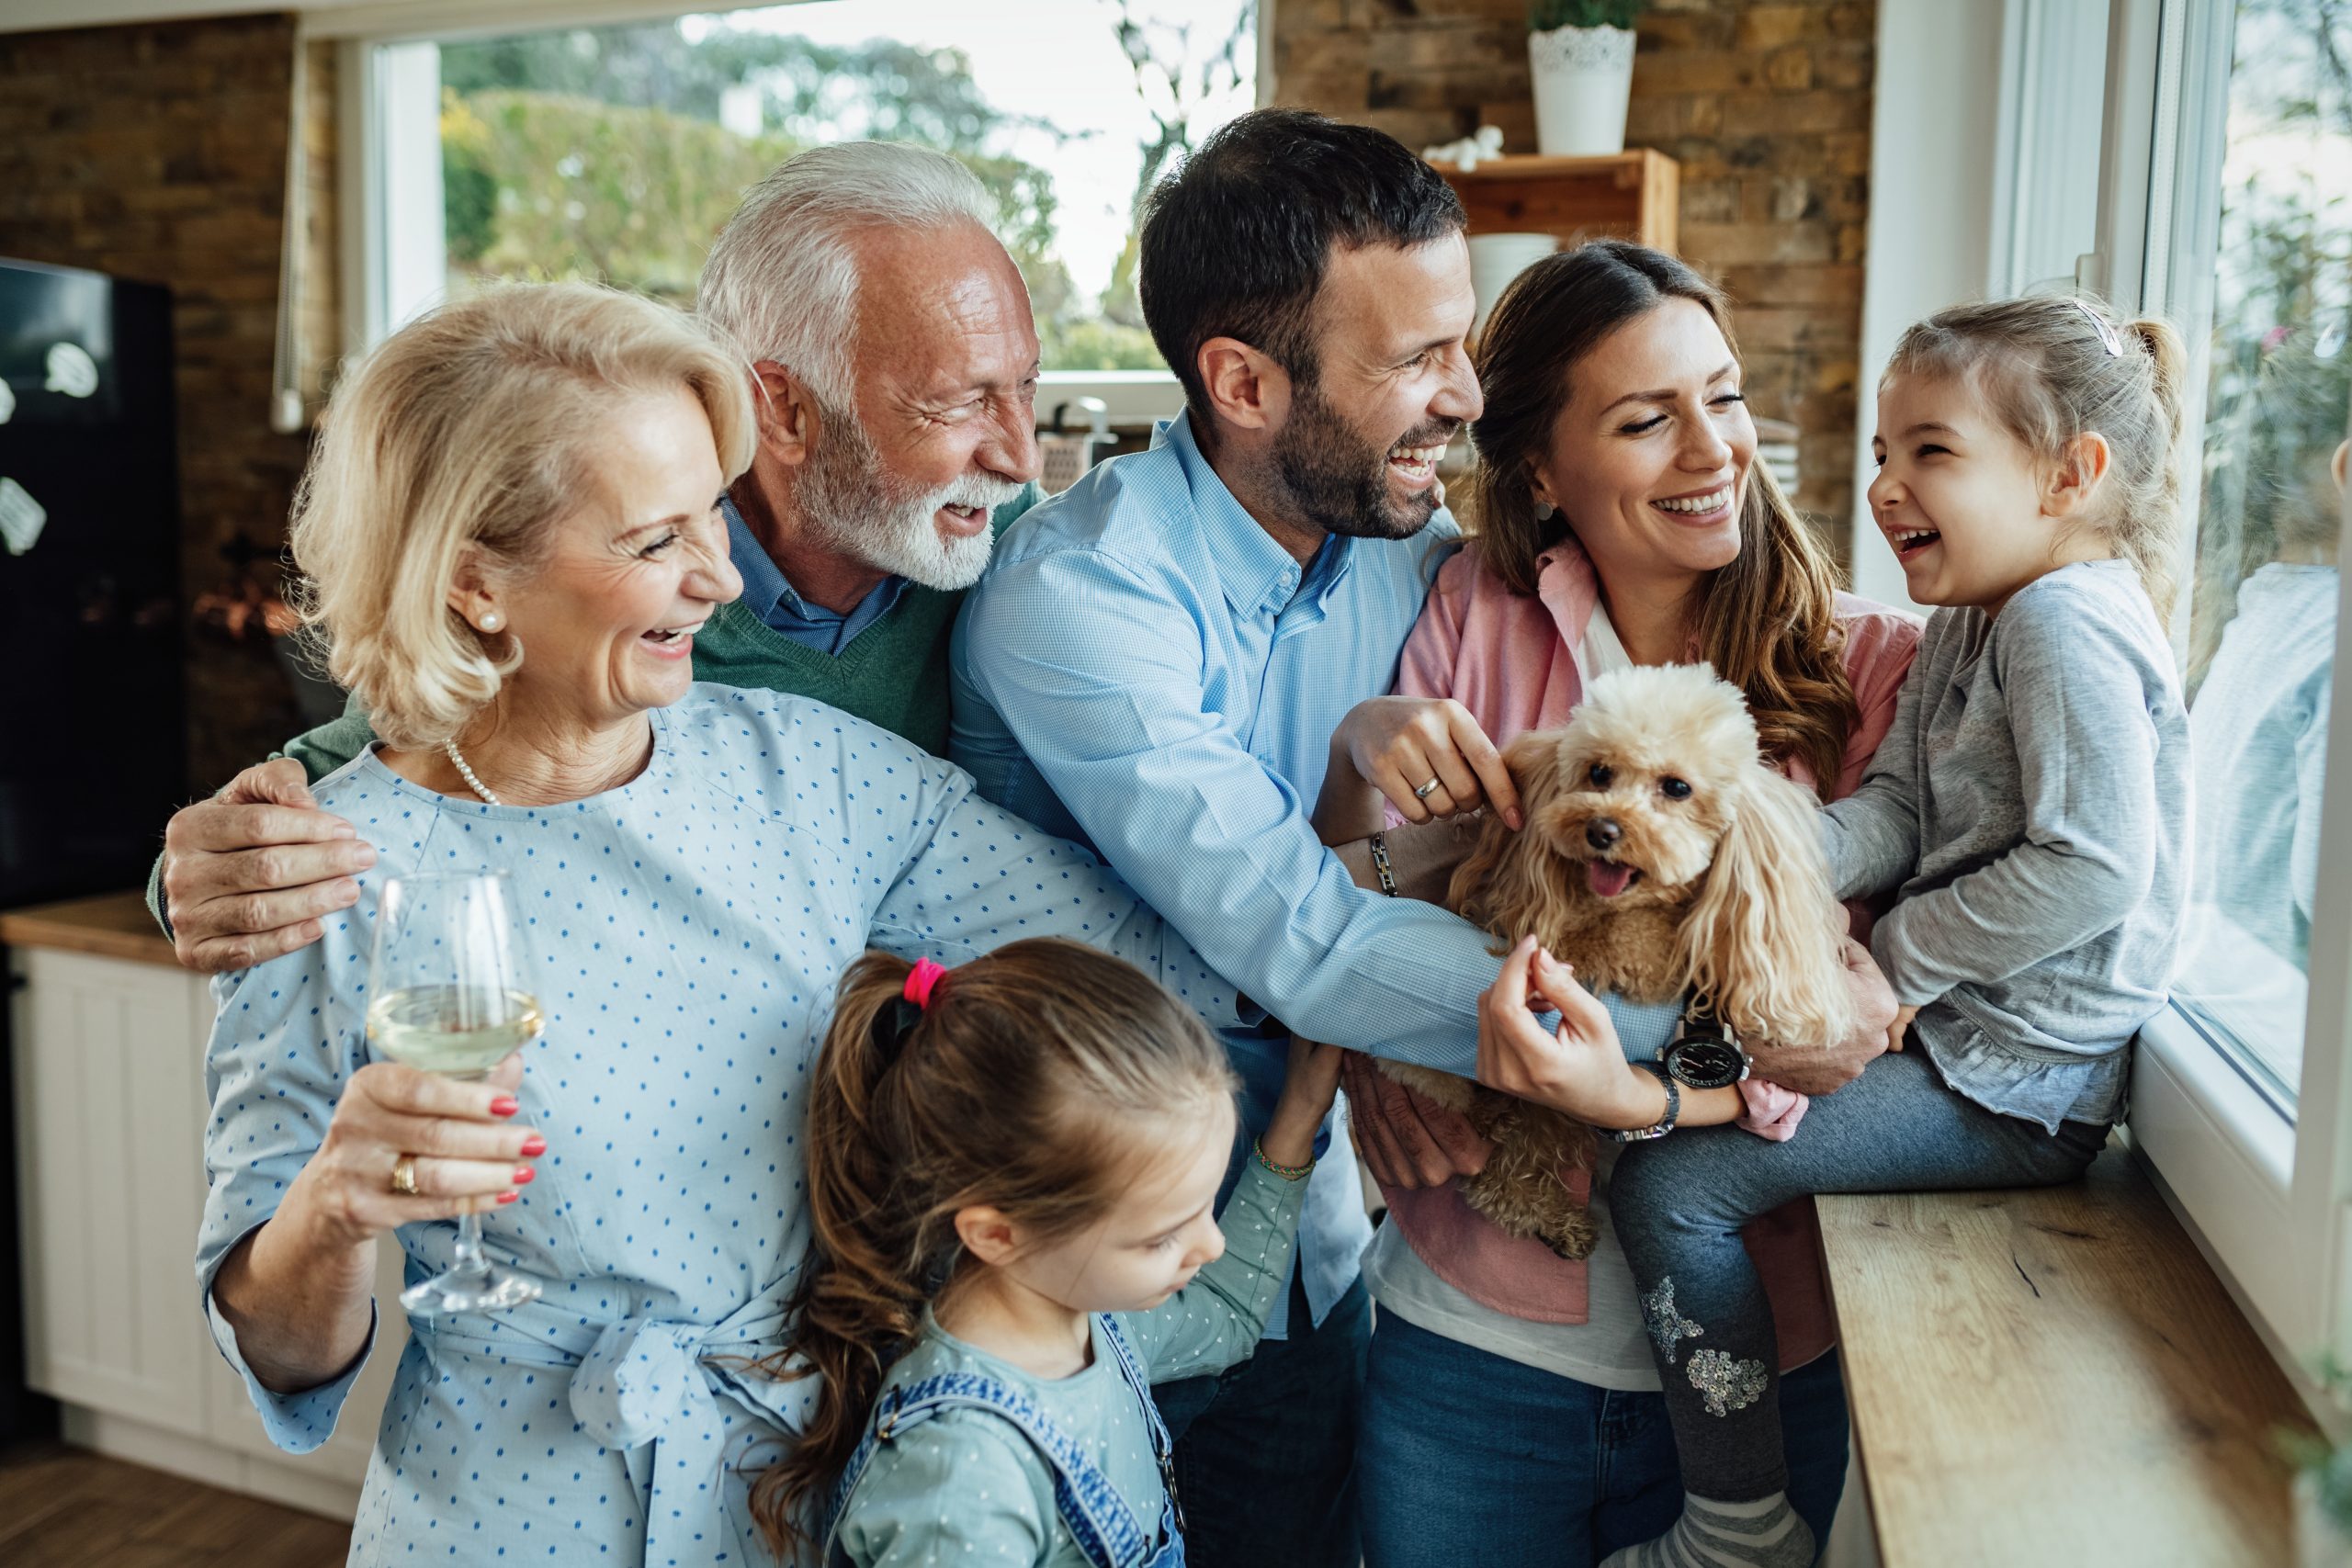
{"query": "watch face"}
(1706, 1064)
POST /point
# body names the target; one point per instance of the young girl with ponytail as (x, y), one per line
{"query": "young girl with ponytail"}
(1011, 1168)
(2029, 807)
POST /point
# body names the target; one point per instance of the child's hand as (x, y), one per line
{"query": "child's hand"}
(1901, 1026)
(1307, 1093)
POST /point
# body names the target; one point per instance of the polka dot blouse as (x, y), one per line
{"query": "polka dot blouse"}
(684, 934)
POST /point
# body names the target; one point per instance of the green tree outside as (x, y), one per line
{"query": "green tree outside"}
(600, 152)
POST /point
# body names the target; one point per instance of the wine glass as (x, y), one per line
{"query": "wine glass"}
(446, 997)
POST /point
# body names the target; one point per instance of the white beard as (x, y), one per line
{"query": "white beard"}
(854, 506)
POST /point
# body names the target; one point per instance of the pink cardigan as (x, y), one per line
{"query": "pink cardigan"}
(1516, 664)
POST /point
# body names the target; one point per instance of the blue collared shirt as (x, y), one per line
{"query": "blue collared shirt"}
(767, 594)
(1145, 671)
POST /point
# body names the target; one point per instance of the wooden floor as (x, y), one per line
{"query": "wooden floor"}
(64, 1508)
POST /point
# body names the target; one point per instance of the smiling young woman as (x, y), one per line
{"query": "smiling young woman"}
(1620, 519)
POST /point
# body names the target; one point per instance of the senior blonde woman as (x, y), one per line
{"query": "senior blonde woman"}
(512, 527)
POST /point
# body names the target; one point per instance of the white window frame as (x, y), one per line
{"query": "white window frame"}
(2272, 1209)
(380, 268)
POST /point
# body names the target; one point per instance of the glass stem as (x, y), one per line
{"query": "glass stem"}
(468, 1259)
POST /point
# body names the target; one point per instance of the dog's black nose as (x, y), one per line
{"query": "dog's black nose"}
(1603, 832)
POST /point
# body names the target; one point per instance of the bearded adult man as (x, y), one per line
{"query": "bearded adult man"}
(1158, 660)
(894, 361)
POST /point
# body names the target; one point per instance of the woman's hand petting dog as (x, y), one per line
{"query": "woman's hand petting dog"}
(1408, 1141)
(1807, 1066)
(1401, 745)
(1900, 1027)
(1581, 1071)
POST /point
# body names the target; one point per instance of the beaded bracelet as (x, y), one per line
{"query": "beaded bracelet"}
(1287, 1172)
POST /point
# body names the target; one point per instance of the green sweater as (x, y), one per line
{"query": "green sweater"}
(893, 673)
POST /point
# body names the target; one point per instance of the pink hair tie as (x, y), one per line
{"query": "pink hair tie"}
(921, 980)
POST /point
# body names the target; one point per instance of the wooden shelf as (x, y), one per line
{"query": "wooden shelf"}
(1635, 195)
(114, 925)
(2051, 1376)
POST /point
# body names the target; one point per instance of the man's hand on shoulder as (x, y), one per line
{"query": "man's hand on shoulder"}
(252, 873)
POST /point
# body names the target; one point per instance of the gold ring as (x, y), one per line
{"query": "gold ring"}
(404, 1175)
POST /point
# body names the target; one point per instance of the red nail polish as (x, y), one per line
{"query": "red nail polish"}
(506, 1105)
(508, 1196)
(534, 1146)
(523, 1175)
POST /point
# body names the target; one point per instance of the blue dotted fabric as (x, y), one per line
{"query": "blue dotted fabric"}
(684, 934)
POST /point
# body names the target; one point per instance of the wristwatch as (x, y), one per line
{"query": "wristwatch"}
(1704, 1053)
(1659, 1128)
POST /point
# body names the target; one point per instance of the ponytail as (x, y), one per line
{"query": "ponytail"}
(1027, 1079)
(860, 1300)
(2156, 493)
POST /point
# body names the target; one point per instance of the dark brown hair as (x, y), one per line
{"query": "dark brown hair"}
(1029, 1082)
(1235, 243)
(1767, 622)
(2055, 367)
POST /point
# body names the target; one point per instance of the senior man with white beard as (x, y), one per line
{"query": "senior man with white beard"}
(893, 358)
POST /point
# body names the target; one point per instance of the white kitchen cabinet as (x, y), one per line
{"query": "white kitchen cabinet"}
(108, 1040)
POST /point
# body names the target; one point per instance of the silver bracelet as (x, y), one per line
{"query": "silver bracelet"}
(1659, 1128)
(1380, 867)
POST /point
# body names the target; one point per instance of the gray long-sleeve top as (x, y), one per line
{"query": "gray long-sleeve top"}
(2032, 802)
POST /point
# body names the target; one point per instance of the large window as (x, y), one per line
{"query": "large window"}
(616, 152)
(2224, 203)
(2265, 581)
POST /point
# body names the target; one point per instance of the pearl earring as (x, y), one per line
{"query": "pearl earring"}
(1545, 510)
(492, 621)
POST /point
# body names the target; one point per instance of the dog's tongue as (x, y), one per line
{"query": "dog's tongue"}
(1606, 878)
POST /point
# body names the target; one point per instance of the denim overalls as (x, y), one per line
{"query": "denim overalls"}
(1105, 1527)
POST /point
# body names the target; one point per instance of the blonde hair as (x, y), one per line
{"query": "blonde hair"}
(2054, 368)
(1768, 622)
(1029, 1082)
(467, 435)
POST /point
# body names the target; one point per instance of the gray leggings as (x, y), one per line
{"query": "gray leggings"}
(1677, 1204)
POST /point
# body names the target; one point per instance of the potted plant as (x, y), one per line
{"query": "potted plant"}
(2322, 1493)
(1580, 55)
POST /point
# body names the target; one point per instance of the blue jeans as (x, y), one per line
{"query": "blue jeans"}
(1679, 1204)
(1467, 1456)
(1266, 1451)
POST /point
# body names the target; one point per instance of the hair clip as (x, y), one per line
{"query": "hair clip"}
(2107, 336)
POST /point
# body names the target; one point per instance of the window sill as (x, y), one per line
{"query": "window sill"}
(1138, 400)
(2083, 1390)
(2225, 1155)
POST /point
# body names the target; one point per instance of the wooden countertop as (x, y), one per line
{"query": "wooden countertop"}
(2055, 1376)
(111, 925)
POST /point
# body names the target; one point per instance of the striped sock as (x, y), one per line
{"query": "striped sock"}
(1766, 1533)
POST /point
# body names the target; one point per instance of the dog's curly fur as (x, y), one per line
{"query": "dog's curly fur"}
(1729, 896)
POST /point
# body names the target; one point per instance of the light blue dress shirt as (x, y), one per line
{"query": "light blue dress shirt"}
(770, 595)
(684, 934)
(1145, 671)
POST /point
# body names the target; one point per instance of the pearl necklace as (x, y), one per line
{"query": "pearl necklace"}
(466, 774)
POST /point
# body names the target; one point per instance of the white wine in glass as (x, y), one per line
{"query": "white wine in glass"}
(448, 998)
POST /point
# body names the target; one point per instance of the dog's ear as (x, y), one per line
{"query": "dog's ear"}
(1764, 937)
(1512, 880)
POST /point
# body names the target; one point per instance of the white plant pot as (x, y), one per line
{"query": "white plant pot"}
(1583, 77)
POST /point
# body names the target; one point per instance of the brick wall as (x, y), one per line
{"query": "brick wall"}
(158, 153)
(1767, 108)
